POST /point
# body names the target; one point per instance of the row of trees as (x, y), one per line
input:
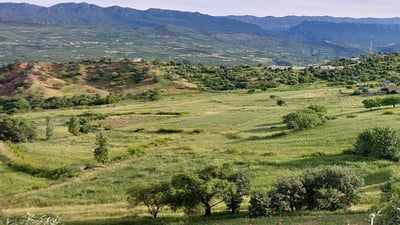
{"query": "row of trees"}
(20, 104)
(331, 188)
(378, 102)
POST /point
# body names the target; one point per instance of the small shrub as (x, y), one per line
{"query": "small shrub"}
(169, 130)
(197, 131)
(388, 113)
(139, 130)
(351, 116)
(31, 219)
(235, 135)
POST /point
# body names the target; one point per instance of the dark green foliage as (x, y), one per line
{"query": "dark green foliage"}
(281, 102)
(208, 187)
(260, 205)
(169, 130)
(329, 189)
(153, 196)
(306, 118)
(152, 95)
(391, 100)
(74, 126)
(17, 129)
(387, 211)
(233, 197)
(372, 102)
(102, 149)
(49, 127)
(288, 194)
(379, 142)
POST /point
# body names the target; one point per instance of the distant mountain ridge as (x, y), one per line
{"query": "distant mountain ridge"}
(185, 36)
(288, 22)
(92, 15)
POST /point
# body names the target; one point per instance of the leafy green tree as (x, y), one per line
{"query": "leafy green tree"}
(288, 194)
(17, 129)
(205, 188)
(388, 209)
(74, 126)
(260, 205)
(154, 197)
(391, 100)
(379, 142)
(239, 187)
(102, 149)
(303, 119)
(371, 103)
(49, 128)
(331, 188)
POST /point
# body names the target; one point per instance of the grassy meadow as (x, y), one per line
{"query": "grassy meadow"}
(152, 141)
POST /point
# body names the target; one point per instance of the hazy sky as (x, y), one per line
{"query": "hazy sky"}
(349, 8)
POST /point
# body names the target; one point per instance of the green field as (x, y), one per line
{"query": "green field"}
(236, 127)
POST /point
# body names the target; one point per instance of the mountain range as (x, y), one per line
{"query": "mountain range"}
(187, 36)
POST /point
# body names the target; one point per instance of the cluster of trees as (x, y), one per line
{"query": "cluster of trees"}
(203, 188)
(20, 104)
(17, 130)
(378, 102)
(331, 188)
(313, 115)
(117, 73)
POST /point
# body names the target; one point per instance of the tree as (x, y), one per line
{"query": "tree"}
(102, 149)
(17, 130)
(379, 142)
(259, 205)
(239, 187)
(49, 128)
(205, 187)
(154, 197)
(328, 189)
(303, 119)
(391, 100)
(372, 103)
(74, 125)
(331, 188)
(388, 208)
(288, 194)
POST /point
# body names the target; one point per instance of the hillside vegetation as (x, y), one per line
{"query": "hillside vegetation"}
(166, 118)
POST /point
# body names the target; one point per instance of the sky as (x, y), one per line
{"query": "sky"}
(338, 8)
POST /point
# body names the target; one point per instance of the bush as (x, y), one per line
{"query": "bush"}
(17, 130)
(329, 189)
(303, 119)
(259, 205)
(379, 142)
(31, 219)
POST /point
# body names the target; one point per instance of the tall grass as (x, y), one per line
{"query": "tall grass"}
(238, 128)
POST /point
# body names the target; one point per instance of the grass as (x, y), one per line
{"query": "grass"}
(220, 127)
